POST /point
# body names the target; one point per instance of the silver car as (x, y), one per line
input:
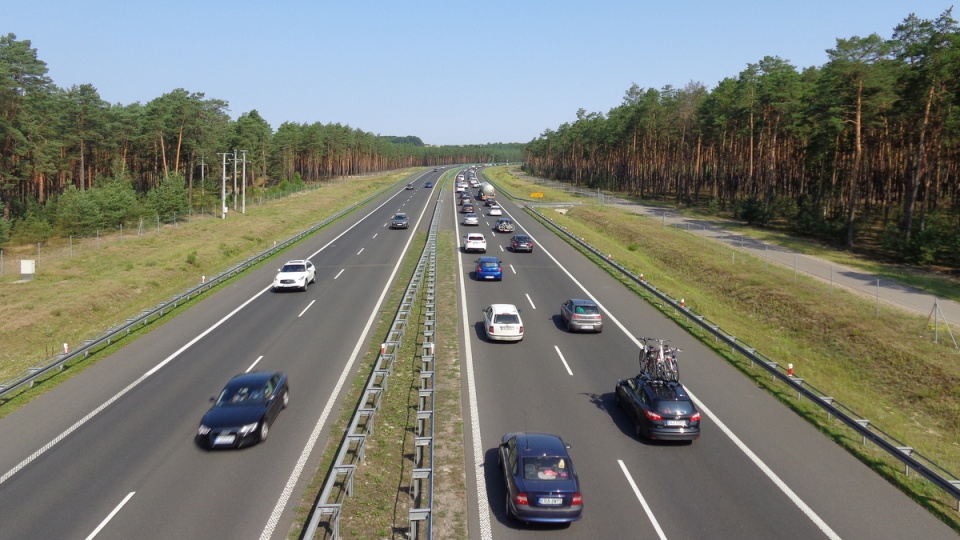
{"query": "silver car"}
(581, 315)
(471, 219)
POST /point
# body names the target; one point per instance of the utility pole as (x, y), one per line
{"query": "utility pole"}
(201, 177)
(223, 187)
(234, 180)
(244, 206)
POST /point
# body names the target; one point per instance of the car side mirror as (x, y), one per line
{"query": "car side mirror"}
(212, 399)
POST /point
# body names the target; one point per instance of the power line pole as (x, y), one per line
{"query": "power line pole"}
(244, 161)
(223, 186)
(234, 180)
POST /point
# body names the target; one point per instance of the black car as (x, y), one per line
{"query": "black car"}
(580, 315)
(521, 242)
(542, 485)
(659, 409)
(246, 408)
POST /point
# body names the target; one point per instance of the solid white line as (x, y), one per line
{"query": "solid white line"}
(338, 273)
(331, 401)
(530, 300)
(564, 360)
(816, 519)
(643, 502)
(306, 308)
(110, 516)
(483, 506)
(254, 364)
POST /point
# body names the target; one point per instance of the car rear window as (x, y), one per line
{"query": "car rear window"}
(545, 468)
(587, 310)
(489, 264)
(506, 318)
(673, 408)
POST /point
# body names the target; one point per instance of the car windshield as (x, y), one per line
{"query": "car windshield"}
(545, 468)
(506, 318)
(239, 396)
(294, 268)
(400, 216)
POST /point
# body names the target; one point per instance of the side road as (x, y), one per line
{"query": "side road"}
(859, 281)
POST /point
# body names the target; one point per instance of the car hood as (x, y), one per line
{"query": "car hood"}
(220, 417)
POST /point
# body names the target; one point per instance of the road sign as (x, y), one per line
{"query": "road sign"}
(536, 195)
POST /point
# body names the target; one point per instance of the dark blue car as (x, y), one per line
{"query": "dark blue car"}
(542, 485)
(428, 184)
(489, 268)
(244, 411)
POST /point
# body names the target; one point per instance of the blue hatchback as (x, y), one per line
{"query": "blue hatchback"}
(428, 184)
(489, 268)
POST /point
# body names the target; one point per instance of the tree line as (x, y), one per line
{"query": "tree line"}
(71, 163)
(861, 151)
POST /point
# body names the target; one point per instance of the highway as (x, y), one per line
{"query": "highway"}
(758, 471)
(109, 453)
(111, 450)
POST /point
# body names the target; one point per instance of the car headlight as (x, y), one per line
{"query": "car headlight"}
(203, 430)
(248, 429)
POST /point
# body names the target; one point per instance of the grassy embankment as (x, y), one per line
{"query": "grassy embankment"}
(878, 365)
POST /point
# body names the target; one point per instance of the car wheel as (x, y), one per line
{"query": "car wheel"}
(264, 430)
(286, 399)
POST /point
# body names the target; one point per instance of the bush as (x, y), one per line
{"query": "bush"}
(753, 211)
(77, 213)
(169, 200)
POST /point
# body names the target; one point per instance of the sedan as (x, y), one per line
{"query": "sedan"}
(245, 410)
(428, 184)
(295, 275)
(542, 485)
(409, 186)
(521, 242)
(502, 322)
(467, 209)
(580, 315)
(471, 219)
(495, 210)
(659, 409)
(489, 268)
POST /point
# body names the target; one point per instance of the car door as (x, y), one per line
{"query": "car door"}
(565, 311)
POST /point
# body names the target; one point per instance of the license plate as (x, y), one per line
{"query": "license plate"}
(677, 423)
(487, 277)
(550, 501)
(587, 326)
(225, 439)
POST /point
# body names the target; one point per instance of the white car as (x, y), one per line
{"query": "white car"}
(474, 242)
(471, 219)
(495, 210)
(502, 322)
(295, 275)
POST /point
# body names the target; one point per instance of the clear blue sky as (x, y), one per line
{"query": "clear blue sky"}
(447, 71)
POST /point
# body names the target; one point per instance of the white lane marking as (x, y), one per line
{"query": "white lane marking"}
(361, 251)
(564, 360)
(514, 270)
(483, 506)
(306, 308)
(530, 300)
(374, 236)
(254, 364)
(318, 428)
(110, 516)
(643, 502)
(338, 273)
(501, 248)
(816, 519)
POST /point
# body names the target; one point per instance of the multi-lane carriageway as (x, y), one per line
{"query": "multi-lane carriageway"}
(109, 453)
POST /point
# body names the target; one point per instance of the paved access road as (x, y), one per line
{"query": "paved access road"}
(111, 450)
(757, 472)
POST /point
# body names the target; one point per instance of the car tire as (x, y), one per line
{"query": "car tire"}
(286, 399)
(264, 430)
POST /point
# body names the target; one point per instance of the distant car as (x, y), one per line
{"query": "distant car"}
(244, 411)
(504, 225)
(471, 219)
(490, 201)
(465, 200)
(474, 242)
(489, 268)
(295, 275)
(464, 196)
(542, 485)
(495, 210)
(521, 242)
(460, 188)
(467, 209)
(409, 186)
(400, 221)
(428, 184)
(659, 409)
(502, 322)
(580, 315)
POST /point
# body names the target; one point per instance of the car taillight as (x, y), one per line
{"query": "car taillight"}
(577, 499)
(521, 329)
(491, 329)
(695, 417)
(521, 498)
(653, 416)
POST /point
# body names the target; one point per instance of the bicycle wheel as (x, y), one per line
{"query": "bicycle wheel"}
(673, 370)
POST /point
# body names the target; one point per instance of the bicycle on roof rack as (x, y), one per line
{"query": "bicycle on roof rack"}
(658, 361)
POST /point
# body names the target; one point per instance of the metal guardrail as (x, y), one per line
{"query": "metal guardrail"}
(908, 456)
(111, 335)
(339, 482)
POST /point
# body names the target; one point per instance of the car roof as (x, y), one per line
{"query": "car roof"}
(474, 236)
(540, 444)
(504, 308)
(665, 391)
(488, 259)
(295, 261)
(582, 302)
(253, 378)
